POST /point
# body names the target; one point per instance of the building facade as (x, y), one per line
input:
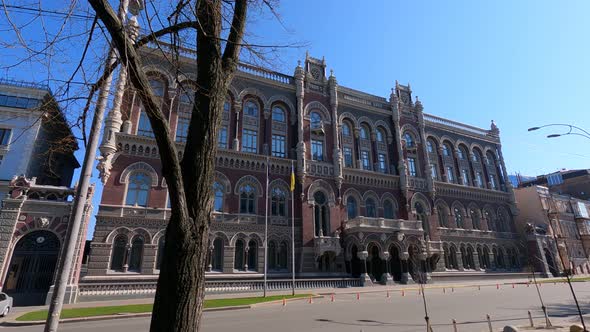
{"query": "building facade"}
(36, 167)
(556, 229)
(567, 182)
(384, 190)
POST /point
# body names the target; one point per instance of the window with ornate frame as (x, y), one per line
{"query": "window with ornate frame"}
(218, 191)
(409, 138)
(138, 188)
(370, 208)
(278, 202)
(412, 168)
(351, 208)
(247, 199)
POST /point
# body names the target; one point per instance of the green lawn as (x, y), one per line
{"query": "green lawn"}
(142, 308)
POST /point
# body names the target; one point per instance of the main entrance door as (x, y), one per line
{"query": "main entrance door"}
(32, 267)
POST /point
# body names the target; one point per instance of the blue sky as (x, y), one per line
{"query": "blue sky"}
(520, 63)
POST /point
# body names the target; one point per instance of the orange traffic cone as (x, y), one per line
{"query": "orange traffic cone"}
(403, 293)
(512, 285)
(452, 289)
(387, 294)
(358, 296)
(478, 287)
(444, 291)
(332, 297)
(497, 286)
(310, 300)
(284, 302)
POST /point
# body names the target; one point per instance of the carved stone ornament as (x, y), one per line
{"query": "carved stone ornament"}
(400, 236)
(43, 222)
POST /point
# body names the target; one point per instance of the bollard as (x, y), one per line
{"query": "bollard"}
(284, 302)
(454, 325)
(489, 323)
(310, 300)
(358, 296)
(332, 297)
(531, 319)
(403, 293)
(512, 285)
(452, 289)
(497, 286)
(478, 287)
(444, 291)
(387, 294)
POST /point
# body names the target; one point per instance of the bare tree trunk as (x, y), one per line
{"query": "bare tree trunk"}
(181, 285)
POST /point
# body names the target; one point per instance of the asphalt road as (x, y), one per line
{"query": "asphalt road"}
(375, 312)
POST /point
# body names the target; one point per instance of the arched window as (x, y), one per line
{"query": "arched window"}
(462, 153)
(486, 257)
(475, 219)
(136, 255)
(421, 214)
(157, 87)
(321, 214)
(137, 189)
(239, 255)
(476, 156)
(380, 135)
(447, 150)
(118, 255)
(446, 257)
(218, 203)
(251, 108)
(464, 258)
(470, 260)
(458, 217)
(430, 145)
(351, 207)
(346, 129)
(490, 159)
(247, 199)
(453, 258)
(502, 224)
(252, 255)
(370, 208)
(272, 255)
(315, 120)
(283, 254)
(187, 96)
(278, 202)
(410, 143)
(389, 210)
(160, 253)
(364, 132)
(442, 214)
(144, 127)
(278, 114)
(217, 263)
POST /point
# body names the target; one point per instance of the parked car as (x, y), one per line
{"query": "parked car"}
(5, 304)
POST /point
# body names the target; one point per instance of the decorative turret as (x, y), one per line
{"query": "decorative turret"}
(494, 129)
(418, 106)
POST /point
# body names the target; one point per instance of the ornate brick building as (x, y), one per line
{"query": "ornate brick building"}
(382, 187)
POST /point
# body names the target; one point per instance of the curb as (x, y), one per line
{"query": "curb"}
(262, 304)
(111, 317)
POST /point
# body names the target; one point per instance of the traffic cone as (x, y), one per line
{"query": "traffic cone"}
(444, 291)
(403, 293)
(497, 286)
(512, 285)
(452, 289)
(310, 300)
(332, 297)
(387, 294)
(528, 284)
(478, 287)
(284, 302)
(358, 296)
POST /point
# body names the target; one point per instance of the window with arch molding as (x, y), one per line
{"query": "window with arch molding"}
(475, 219)
(160, 252)
(321, 214)
(447, 150)
(380, 135)
(364, 132)
(459, 218)
(430, 146)
(351, 207)
(218, 190)
(476, 156)
(118, 253)
(315, 120)
(409, 138)
(247, 199)
(187, 96)
(136, 255)
(144, 127)
(250, 108)
(389, 211)
(278, 202)
(138, 187)
(442, 214)
(278, 114)
(370, 208)
(157, 87)
(462, 153)
(346, 129)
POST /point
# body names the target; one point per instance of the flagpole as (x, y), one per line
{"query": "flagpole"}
(266, 226)
(292, 230)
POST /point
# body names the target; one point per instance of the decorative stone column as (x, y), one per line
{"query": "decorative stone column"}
(459, 260)
(476, 265)
(406, 277)
(210, 265)
(237, 109)
(386, 278)
(365, 279)
(301, 149)
(126, 258)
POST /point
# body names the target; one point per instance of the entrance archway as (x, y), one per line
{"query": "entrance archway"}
(395, 263)
(374, 263)
(550, 262)
(356, 267)
(32, 267)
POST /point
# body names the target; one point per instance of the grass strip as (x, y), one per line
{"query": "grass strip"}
(143, 308)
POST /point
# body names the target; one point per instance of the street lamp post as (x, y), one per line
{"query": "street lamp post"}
(571, 130)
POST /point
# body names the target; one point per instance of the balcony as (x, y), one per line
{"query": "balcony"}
(418, 184)
(325, 244)
(476, 233)
(383, 224)
(371, 179)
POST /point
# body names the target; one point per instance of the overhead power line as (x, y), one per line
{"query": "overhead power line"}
(36, 10)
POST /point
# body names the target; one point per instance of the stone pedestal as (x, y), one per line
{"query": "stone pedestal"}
(387, 279)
